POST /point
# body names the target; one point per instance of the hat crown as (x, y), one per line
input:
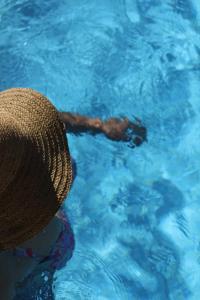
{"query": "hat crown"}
(12, 146)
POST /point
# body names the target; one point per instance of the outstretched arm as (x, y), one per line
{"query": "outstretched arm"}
(114, 128)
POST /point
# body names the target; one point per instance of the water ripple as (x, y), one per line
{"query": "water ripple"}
(107, 58)
(95, 279)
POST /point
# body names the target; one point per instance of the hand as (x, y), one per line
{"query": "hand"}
(124, 130)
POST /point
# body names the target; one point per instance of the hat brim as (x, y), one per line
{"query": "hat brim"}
(44, 178)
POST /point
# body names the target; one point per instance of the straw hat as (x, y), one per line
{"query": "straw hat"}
(35, 165)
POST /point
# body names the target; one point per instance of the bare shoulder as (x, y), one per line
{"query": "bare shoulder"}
(18, 268)
(7, 263)
(14, 269)
(44, 240)
(7, 277)
(10, 274)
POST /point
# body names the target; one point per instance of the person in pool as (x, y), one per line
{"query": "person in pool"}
(36, 174)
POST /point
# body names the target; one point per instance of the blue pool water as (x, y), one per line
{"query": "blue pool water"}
(134, 212)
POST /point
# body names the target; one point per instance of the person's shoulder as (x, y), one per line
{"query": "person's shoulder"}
(7, 261)
(12, 271)
(7, 276)
(13, 268)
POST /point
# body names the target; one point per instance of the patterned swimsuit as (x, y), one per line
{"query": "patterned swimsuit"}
(63, 249)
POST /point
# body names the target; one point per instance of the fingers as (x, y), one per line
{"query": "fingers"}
(135, 135)
(123, 129)
(138, 141)
(139, 130)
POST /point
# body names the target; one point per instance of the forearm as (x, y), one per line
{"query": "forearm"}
(76, 123)
(114, 128)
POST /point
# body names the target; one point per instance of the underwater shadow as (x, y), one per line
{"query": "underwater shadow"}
(152, 250)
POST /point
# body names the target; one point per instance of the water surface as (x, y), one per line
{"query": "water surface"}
(135, 213)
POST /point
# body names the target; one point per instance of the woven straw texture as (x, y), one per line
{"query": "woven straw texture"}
(35, 165)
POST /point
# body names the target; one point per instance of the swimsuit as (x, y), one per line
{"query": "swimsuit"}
(62, 250)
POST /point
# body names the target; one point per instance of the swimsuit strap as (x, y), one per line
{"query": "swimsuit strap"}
(64, 246)
(27, 252)
(62, 215)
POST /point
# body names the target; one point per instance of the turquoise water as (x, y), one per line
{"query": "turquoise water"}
(134, 212)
